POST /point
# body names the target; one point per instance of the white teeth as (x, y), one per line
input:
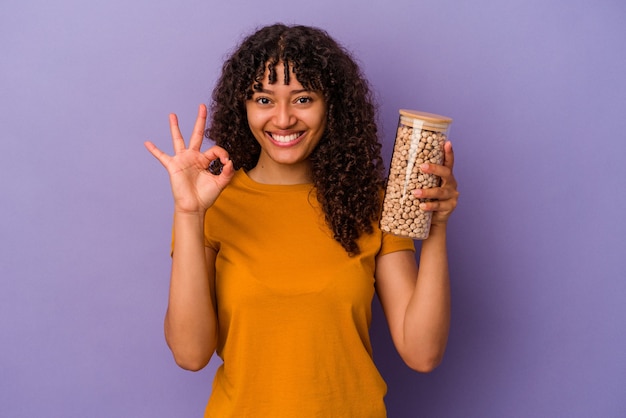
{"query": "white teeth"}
(285, 138)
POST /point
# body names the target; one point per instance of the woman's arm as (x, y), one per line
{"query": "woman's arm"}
(416, 301)
(191, 320)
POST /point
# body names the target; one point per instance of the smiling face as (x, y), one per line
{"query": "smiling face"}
(288, 121)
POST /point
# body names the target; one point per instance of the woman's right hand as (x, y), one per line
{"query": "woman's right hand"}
(194, 187)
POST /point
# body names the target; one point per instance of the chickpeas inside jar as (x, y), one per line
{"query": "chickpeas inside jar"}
(419, 139)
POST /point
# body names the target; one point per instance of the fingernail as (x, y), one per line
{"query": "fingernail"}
(424, 166)
(418, 192)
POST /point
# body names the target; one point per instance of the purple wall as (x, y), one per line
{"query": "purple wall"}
(538, 95)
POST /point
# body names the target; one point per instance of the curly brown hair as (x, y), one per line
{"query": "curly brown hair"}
(347, 167)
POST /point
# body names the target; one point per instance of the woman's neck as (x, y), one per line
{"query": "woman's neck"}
(281, 173)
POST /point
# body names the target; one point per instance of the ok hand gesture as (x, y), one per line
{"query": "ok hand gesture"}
(194, 188)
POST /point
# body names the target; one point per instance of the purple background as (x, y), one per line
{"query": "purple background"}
(537, 91)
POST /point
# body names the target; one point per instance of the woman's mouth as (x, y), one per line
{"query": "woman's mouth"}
(285, 139)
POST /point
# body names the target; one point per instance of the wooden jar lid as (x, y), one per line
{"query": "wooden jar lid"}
(429, 121)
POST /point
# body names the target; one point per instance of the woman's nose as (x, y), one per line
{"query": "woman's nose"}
(284, 117)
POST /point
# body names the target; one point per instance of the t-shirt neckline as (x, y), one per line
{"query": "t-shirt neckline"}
(248, 182)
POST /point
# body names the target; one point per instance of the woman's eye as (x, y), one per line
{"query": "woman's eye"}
(303, 100)
(263, 100)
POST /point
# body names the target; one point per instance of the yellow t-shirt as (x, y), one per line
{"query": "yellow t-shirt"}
(293, 308)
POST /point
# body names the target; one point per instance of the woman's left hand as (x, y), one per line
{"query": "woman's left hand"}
(445, 197)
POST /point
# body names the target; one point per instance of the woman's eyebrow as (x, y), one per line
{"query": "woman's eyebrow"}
(268, 91)
(263, 90)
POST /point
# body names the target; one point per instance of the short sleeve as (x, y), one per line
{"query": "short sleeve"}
(393, 243)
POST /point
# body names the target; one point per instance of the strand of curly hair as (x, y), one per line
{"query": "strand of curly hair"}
(347, 167)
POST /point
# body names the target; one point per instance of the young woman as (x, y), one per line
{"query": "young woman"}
(276, 257)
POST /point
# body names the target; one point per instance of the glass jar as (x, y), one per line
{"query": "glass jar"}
(419, 139)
